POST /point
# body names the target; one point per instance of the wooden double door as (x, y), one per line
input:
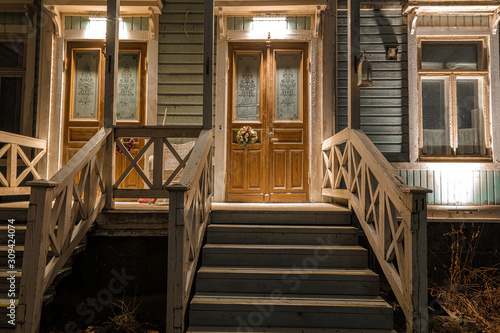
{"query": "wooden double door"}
(268, 92)
(84, 98)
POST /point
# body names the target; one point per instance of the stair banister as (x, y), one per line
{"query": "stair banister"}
(60, 213)
(16, 148)
(189, 210)
(392, 214)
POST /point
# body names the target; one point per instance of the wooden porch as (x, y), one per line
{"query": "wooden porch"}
(63, 209)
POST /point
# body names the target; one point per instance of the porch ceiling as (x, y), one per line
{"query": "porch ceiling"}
(250, 7)
(451, 6)
(15, 5)
(84, 6)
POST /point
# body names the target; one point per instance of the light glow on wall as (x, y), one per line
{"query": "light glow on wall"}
(97, 28)
(268, 27)
(457, 181)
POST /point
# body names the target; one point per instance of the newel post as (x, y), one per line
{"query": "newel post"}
(110, 87)
(418, 322)
(35, 256)
(176, 263)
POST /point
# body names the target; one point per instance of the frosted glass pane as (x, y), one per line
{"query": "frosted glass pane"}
(435, 117)
(247, 87)
(288, 86)
(86, 85)
(127, 99)
(469, 117)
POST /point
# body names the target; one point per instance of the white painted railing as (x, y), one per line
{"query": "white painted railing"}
(392, 214)
(15, 148)
(60, 214)
(190, 202)
(158, 139)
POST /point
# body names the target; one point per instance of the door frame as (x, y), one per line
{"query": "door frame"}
(266, 125)
(314, 110)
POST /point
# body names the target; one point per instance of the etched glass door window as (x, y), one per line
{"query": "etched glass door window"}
(127, 99)
(247, 87)
(288, 86)
(86, 85)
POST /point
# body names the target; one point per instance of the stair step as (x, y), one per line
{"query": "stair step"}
(288, 280)
(305, 256)
(281, 234)
(275, 214)
(225, 329)
(277, 310)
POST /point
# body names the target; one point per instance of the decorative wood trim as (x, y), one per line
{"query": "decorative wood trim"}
(55, 15)
(153, 23)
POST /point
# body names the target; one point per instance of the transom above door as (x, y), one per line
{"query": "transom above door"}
(268, 92)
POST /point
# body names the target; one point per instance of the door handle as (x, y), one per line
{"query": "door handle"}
(272, 137)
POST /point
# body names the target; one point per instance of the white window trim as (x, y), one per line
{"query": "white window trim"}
(492, 100)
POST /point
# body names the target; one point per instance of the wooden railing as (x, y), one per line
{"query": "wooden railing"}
(157, 139)
(190, 202)
(393, 216)
(61, 212)
(16, 157)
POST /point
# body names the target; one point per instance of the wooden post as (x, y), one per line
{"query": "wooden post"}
(329, 34)
(208, 61)
(34, 261)
(175, 268)
(110, 85)
(419, 321)
(353, 91)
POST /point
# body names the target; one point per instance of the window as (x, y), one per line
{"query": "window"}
(453, 98)
(12, 71)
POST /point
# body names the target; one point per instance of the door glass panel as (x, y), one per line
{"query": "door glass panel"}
(435, 117)
(288, 82)
(469, 117)
(128, 86)
(247, 87)
(85, 85)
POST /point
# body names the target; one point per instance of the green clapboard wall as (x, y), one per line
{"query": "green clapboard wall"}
(180, 60)
(384, 106)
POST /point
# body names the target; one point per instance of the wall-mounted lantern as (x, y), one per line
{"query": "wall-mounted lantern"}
(364, 71)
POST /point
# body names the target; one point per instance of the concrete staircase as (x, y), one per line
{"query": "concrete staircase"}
(287, 269)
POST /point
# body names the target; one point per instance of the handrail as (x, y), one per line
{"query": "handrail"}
(189, 211)
(61, 212)
(158, 139)
(392, 214)
(12, 147)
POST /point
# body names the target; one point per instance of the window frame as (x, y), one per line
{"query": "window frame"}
(452, 75)
(18, 72)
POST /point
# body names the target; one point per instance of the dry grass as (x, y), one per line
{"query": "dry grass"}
(473, 294)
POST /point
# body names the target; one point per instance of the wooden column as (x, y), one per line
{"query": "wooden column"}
(329, 34)
(110, 87)
(208, 60)
(353, 91)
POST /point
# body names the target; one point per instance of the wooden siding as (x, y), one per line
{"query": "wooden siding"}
(180, 60)
(13, 19)
(129, 23)
(384, 106)
(472, 187)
